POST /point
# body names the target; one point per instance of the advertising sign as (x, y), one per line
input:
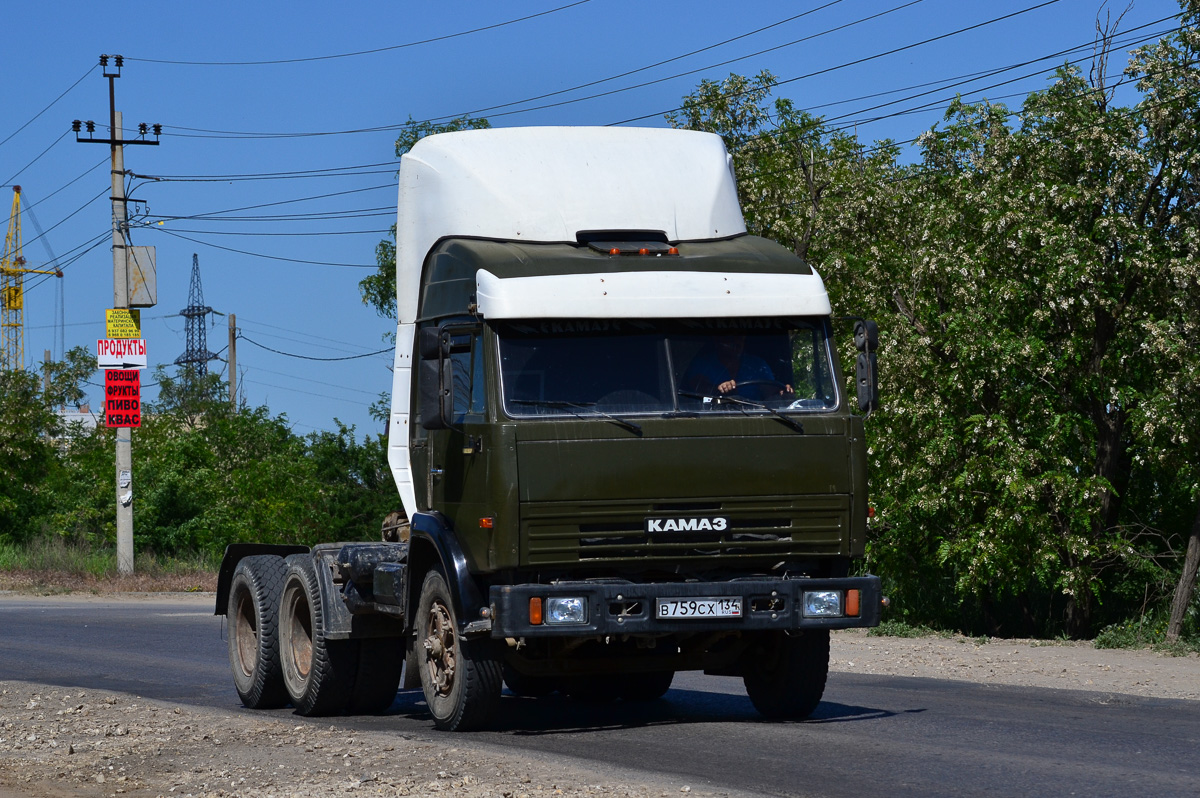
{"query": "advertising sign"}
(123, 323)
(122, 398)
(121, 353)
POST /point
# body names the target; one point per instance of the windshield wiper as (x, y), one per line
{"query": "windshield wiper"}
(733, 400)
(561, 404)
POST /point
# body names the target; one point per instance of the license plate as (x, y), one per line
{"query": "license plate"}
(698, 607)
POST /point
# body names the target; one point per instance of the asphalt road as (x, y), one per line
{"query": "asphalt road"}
(890, 736)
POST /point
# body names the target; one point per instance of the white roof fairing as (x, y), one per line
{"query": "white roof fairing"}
(548, 184)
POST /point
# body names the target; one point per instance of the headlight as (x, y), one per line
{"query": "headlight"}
(566, 610)
(823, 604)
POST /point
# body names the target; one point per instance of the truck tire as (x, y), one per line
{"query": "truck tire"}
(253, 616)
(461, 678)
(525, 686)
(380, 661)
(646, 686)
(318, 673)
(785, 677)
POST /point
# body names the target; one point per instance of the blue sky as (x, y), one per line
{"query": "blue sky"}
(275, 273)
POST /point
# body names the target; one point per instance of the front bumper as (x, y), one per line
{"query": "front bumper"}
(628, 608)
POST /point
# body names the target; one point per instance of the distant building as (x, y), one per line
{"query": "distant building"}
(81, 415)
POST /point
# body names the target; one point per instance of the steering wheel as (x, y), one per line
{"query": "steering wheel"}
(782, 386)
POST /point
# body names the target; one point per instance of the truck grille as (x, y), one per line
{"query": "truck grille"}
(614, 532)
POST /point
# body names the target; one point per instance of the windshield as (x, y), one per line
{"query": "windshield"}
(632, 366)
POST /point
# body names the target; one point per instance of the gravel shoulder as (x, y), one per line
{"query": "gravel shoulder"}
(72, 743)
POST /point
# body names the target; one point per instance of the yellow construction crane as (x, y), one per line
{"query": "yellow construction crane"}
(12, 291)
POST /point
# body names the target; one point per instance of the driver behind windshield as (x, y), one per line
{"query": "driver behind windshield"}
(724, 368)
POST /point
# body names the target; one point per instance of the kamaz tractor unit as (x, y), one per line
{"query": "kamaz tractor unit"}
(621, 438)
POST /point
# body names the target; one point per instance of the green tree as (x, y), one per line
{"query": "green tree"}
(1035, 275)
(27, 453)
(31, 432)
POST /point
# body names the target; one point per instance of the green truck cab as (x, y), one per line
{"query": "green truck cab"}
(621, 439)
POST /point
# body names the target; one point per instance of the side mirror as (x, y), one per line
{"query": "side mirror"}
(435, 345)
(866, 340)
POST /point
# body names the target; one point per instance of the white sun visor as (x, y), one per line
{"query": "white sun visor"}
(650, 294)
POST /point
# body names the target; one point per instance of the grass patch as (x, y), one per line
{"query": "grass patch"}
(1148, 631)
(49, 566)
(902, 629)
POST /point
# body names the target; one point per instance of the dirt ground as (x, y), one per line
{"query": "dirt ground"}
(72, 743)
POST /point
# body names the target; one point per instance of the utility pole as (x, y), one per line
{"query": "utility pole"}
(233, 361)
(121, 253)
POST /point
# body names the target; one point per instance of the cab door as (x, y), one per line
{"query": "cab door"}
(457, 464)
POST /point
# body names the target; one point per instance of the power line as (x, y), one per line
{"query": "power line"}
(313, 216)
(358, 402)
(656, 64)
(71, 182)
(91, 244)
(333, 171)
(381, 128)
(960, 80)
(37, 158)
(873, 57)
(198, 216)
(285, 234)
(310, 357)
(678, 75)
(1075, 129)
(48, 107)
(361, 52)
(69, 215)
(262, 255)
(944, 101)
(252, 323)
(317, 382)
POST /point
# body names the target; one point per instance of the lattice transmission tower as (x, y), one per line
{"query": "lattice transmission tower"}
(195, 359)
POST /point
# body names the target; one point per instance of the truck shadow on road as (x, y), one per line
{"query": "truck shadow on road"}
(557, 714)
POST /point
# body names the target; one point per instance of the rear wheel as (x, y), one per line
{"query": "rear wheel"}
(785, 676)
(318, 673)
(380, 661)
(253, 616)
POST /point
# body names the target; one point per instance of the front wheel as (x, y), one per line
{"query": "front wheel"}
(461, 678)
(785, 675)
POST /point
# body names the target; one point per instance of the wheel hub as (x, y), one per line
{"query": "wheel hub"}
(439, 648)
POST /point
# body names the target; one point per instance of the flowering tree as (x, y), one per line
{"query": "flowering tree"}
(1035, 275)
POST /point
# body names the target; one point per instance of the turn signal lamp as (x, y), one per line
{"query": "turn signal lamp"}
(853, 597)
(487, 523)
(535, 611)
